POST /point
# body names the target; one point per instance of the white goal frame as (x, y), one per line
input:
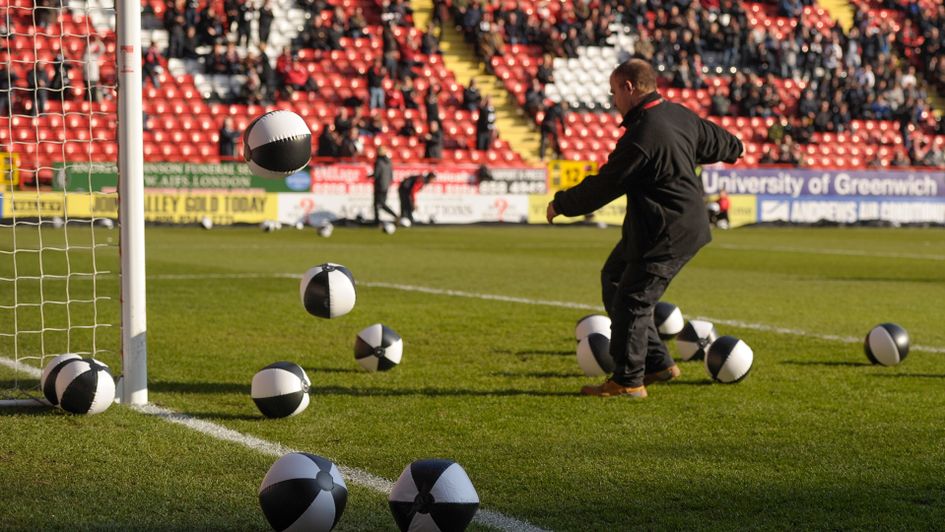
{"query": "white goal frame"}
(132, 385)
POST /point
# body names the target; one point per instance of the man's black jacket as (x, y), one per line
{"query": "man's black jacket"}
(654, 165)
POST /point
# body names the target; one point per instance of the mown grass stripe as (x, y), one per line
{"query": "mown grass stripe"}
(485, 517)
(544, 302)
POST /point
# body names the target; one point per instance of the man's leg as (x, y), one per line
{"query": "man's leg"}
(633, 331)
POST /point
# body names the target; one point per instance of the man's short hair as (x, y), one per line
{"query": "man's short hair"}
(639, 72)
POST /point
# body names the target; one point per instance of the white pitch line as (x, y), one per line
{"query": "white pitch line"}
(485, 517)
(543, 302)
(830, 251)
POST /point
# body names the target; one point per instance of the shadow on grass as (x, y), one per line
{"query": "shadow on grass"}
(834, 363)
(314, 369)
(199, 387)
(909, 375)
(209, 416)
(553, 352)
(431, 392)
(535, 374)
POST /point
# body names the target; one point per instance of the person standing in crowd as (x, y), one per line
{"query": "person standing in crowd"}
(229, 136)
(550, 132)
(383, 176)
(408, 194)
(266, 17)
(654, 165)
(92, 74)
(433, 142)
(485, 125)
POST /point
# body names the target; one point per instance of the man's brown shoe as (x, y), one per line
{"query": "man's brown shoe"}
(612, 389)
(665, 375)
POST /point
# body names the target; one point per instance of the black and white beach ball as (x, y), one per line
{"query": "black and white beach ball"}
(277, 144)
(593, 355)
(433, 495)
(327, 290)
(887, 344)
(85, 386)
(281, 389)
(378, 348)
(668, 319)
(47, 381)
(592, 323)
(694, 338)
(302, 491)
(728, 360)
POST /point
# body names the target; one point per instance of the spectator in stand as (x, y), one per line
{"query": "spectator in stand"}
(823, 120)
(430, 44)
(60, 80)
(934, 157)
(780, 128)
(546, 70)
(356, 24)
(216, 63)
(900, 159)
(431, 103)
(371, 126)
(210, 29)
(471, 97)
(351, 144)
(409, 95)
(319, 36)
(190, 44)
(719, 105)
(294, 76)
(409, 129)
(245, 13)
(534, 99)
(266, 16)
(433, 142)
(175, 38)
(804, 130)
(329, 143)
(395, 98)
(267, 75)
(91, 72)
(252, 92)
(232, 59)
(37, 81)
(485, 125)
(766, 156)
(375, 82)
(550, 133)
(151, 68)
(343, 122)
(383, 175)
(229, 136)
(408, 194)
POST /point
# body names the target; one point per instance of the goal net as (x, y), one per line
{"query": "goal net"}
(71, 215)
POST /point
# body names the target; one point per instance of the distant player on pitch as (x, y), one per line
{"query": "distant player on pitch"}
(666, 224)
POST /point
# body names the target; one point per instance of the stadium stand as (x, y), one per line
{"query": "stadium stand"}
(782, 75)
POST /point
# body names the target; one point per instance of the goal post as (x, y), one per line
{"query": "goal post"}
(134, 389)
(70, 113)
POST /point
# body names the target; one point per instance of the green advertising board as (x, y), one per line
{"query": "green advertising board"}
(178, 176)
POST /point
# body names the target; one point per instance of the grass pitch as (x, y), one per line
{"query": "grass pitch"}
(815, 437)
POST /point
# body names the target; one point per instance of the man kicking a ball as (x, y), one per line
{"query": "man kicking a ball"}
(665, 225)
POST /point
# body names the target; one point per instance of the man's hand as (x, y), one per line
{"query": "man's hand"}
(551, 213)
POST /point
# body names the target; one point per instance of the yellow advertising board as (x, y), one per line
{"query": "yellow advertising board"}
(9, 169)
(611, 214)
(222, 208)
(743, 209)
(565, 174)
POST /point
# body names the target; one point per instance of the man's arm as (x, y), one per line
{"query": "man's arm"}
(716, 144)
(598, 190)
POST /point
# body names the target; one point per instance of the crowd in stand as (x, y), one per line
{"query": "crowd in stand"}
(846, 76)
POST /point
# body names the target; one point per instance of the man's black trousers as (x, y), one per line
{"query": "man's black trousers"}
(630, 292)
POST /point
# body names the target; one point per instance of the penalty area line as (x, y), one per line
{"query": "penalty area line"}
(490, 518)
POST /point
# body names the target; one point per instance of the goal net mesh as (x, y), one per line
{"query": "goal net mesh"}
(59, 256)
